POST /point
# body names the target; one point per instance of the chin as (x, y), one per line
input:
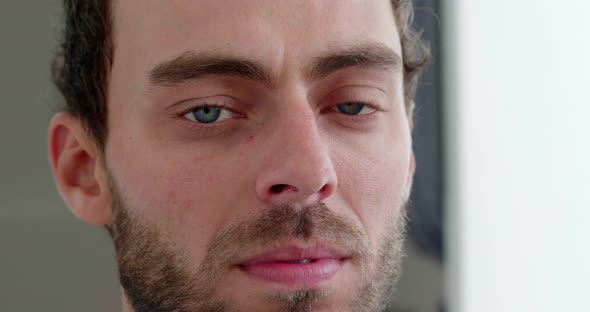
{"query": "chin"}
(340, 290)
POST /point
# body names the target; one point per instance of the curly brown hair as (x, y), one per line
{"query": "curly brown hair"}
(81, 67)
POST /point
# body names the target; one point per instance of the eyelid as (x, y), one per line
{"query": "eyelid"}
(187, 106)
(189, 113)
(208, 129)
(363, 102)
(370, 104)
(373, 107)
(369, 95)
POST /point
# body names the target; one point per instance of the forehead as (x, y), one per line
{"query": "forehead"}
(278, 32)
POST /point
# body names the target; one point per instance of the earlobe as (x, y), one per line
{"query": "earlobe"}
(412, 164)
(406, 192)
(76, 167)
(410, 113)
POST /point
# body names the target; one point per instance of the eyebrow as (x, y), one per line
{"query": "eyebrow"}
(192, 66)
(369, 55)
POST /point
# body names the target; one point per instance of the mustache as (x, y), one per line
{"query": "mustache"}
(156, 272)
(310, 223)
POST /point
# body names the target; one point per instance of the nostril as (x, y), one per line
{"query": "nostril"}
(325, 190)
(277, 188)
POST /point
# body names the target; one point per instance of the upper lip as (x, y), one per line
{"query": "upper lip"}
(295, 253)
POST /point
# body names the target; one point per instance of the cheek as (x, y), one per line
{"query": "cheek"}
(372, 178)
(374, 190)
(183, 199)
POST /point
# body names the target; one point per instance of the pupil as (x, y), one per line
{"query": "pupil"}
(207, 114)
(351, 109)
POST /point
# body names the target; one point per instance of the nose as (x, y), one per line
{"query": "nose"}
(298, 168)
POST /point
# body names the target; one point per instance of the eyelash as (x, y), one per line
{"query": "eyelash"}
(206, 128)
(365, 103)
(214, 126)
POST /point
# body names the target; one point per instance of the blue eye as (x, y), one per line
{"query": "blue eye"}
(354, 109)
(208, 114)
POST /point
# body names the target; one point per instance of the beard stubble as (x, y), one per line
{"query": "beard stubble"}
(156, 275)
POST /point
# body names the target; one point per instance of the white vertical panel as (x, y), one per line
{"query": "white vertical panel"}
(518, 120)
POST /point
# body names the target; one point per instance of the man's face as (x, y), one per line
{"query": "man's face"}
(259, 154)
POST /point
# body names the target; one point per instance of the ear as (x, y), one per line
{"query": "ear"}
(410, 113)
(407, 191)
(412, 168)
(78, 171)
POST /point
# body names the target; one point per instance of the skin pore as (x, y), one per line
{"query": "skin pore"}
(236, 127)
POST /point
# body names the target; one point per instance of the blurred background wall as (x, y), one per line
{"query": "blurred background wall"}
(50, 261)
(517, 138)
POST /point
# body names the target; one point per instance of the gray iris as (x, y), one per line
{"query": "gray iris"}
(351, 108)
(207, 114)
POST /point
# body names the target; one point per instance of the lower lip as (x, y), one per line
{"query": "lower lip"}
(306, 275)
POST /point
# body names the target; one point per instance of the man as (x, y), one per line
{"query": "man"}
(244, 155)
